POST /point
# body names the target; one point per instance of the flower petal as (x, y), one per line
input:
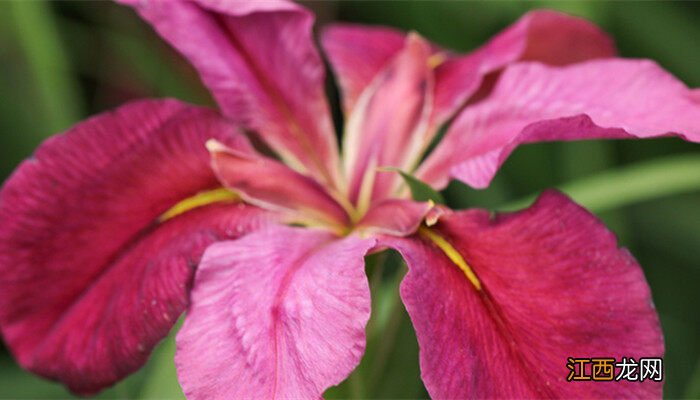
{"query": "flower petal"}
(357, 53)
(274, 87)
(89, 280)
(542, 35)
(554, 285)
(272, 185)
(394, 217)
(533, 102)
(387, 127)
(695, 95)
(280, 313)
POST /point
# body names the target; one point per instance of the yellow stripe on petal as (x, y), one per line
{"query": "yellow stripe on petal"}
(452, 254)
(199, 200)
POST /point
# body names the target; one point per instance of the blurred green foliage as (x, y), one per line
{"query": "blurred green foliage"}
(64, 61)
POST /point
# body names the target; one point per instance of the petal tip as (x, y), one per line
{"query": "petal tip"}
(214, 146)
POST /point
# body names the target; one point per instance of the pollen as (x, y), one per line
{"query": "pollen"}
(452, 254)
(199, 200)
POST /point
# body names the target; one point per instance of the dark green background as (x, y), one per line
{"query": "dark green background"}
(61, 62)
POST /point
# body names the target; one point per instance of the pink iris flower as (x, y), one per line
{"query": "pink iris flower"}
(114, 228)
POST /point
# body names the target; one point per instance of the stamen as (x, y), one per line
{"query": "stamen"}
(199, 200)
(452, 254)
(436, 59)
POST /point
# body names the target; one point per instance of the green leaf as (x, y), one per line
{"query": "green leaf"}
(629, 185)
(49, 66)
(161, 377)
(693, 389)
(420, 191)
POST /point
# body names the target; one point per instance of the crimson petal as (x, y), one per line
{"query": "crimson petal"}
(90, 280)
(554, 285)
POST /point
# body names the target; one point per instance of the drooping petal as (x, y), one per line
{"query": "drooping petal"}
(278, 314)
(272, 185)
(357, 54)
(542, 35)
(533, 102)
(387, 126)
(554, 285)
(275, 87)
(395, 217)
(90, 280)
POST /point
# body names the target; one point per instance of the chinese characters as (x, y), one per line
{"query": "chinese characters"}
(607, 369)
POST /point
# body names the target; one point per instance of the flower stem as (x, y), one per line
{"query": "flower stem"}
(387, 326)
(377, 267)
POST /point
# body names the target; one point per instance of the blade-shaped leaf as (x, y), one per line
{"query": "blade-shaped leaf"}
(420, 191)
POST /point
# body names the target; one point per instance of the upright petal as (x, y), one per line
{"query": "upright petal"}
(90, 280)
(534, 102)
(275, 87)
(272, 185)
(278, 314)
(554, 285)
(357, 53)
(387, 127)
(542, 35)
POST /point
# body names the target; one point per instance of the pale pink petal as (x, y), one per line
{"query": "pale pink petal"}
(395, 217)
(542, 35)
(554, 285)
(275, 87)
(531, 102)
(272, 185)
(90, 280)
(387, 126)
(357, 53)
(279, 314)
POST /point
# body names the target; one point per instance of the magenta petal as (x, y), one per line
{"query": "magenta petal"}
(695, 95)
(275, 87)
(357, 53)
(280, 313)
(554, 285)
(612, 98)
(272, 185)
(89, 282)
(394, 217)
(387, 127)
(545, 36)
